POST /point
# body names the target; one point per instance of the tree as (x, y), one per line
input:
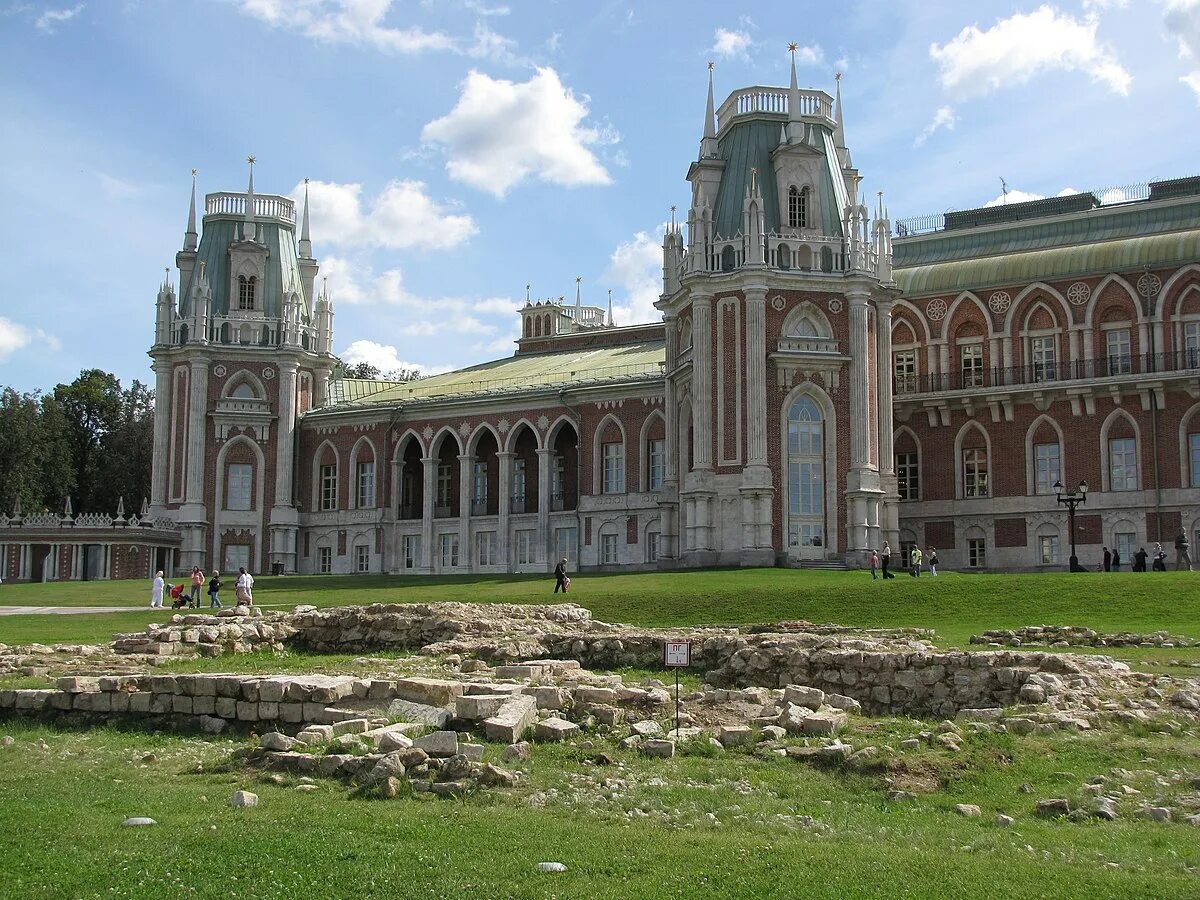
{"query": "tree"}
(129, 450)
(92, 406)
(371, 372)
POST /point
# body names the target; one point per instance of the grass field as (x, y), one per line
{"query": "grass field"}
(954, 605)
(700, 825)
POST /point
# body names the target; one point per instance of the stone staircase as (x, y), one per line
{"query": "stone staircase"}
(828, 565)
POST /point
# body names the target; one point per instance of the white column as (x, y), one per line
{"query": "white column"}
(285, 429)
(162, 421)
(197, 430)
(860, 438)
(668, 547)
(466, 465)
(503, 508)
(702, 412)
(430, 465)
(757, 488)
(545, 469)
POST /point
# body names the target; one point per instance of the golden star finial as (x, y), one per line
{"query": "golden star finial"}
(837, 76)
(306, 181)
(793, 47)
(578, 278)
(193, 173)
(711, 65)
(252, 159)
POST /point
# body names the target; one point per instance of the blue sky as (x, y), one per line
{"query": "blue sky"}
(460, 149)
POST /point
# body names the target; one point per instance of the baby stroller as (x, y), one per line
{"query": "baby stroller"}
(178, 600)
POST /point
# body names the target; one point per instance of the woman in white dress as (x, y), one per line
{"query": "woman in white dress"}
(156, 591)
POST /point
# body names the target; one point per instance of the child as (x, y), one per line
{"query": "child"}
(933, 561)
(566, 584)
(874, 564)
(178, 600)
(214, 586)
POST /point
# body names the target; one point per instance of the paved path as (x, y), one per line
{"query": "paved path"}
(65, 610)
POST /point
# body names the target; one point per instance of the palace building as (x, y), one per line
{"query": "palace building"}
(819, 383)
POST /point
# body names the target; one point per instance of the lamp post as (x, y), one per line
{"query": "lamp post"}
(1072, 499)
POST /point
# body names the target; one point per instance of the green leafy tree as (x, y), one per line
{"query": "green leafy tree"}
(92, 407)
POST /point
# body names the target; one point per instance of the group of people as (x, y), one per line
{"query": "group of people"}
(159, 589)
(881, 561)
(1158, 557)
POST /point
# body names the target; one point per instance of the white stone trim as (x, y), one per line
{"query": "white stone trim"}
(1105, 479)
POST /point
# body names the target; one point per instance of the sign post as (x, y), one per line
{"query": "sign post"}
(677, 655)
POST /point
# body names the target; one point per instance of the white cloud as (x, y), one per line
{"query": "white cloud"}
(359, 22)
(811, 55)
(943, 118)
(1112, 195)
(14, 337)
(729, 43)
(402, 216)
(842, 63)
(482, 9)
(490, 45)
(502, 132)
(117, 188)
(635, 271)
(385, 357)
(1182, 19)
(52, 18)
(1016, 49)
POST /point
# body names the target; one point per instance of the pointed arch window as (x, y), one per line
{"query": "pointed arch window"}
(798, 207)
(246, 289)
(806, 474)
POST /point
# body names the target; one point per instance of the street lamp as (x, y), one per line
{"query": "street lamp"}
(1072, 500)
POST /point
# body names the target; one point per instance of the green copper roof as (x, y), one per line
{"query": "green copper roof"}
(750, 144)
(1126, 255)
(282, 275)
(568, 368)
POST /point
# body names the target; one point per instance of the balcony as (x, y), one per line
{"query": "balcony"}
(266, 206)
(516, 505)
(443, 511)
(1185, 361)
(479, 507)
(410, 511)
(759, 100)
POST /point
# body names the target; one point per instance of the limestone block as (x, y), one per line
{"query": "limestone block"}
(473, 752)
(267, 711)
(212, 724)
(735, 736)
(419, 713)
(73, 684)
(247, 711)
(495, 687)
(270, 690)
(844, 703)
(379, 690)
(657, 748)
(182, 704)
(804, 696)
(390, 741)
(520, 673)
(204, 686)
(351, 726)
(827, 721)
(291, 712)
(140, 702)
(439, 744)
(201, 706)
(162, 684)
(478, 706)
(315, 712)
(554, 730)
(277, 742)
(512, 720)
(161, 703)
(646, 728)
(316, 734)
(431, 691)
(550, 697)
(792, 718)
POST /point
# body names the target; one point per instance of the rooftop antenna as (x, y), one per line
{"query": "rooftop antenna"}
(527, 287)
(672, 218)
(1004, 190)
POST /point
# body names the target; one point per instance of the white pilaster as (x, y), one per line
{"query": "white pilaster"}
(160, 462)
(466, 465)
(429, 472)
(545, 457)
(504, 507)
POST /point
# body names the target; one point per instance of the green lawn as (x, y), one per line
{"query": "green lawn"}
(727, 826)
(955, 605)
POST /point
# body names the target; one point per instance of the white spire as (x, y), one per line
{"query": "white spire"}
(189, 237)
(578, 298)
(839, 132)
(708, 146)
(248, 228)
(610, 318)
(794, 90)
(305, 243)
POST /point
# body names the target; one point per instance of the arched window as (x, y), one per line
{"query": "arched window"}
(528, 327)
(246, 288)
(806, 474)
(784, 256)
(797, 207)
(244, 392)
(728, 260)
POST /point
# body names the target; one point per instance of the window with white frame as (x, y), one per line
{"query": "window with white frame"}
(1122, 464)
(325, 560)
(1047, 467)
(971, 364)
(362, 558)
(246, 288)
(976, 553)
(329, 487)
(613, 456)
(1044, 353)
(524, 548)
(444, 482)
(608, 549)
(239, 481)
(1117, 343)
(479, 487)
(411, 548)
(656, 455)
(1048, 549)
(485, 548)
(904, 367)
(365, 481)
(975, 472)
(566, 543)
(449, 545)
(558, 481)
(651, 546)
(518, 485)
(908, 476)
(1191, 344)
(237, 556)
(797, 207)
(1123, 541)
(1194, 458)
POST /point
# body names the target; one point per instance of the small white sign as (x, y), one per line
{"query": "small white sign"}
(678, 653)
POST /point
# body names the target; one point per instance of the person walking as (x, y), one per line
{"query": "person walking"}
(915, 558)
(1183, 559)
(214, 589)
(1139, 560)
(197, 583)
(933, 561)
(1107, 560)
(1116, 560)
(874, 560)
(1160, 558)
(156, 591)
(885, 560)
(560, 576)
(244, 589)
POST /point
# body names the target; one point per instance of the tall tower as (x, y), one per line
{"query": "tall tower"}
(239, 355)
(777, 310)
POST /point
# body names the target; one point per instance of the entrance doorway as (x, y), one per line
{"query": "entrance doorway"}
(806, 480)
